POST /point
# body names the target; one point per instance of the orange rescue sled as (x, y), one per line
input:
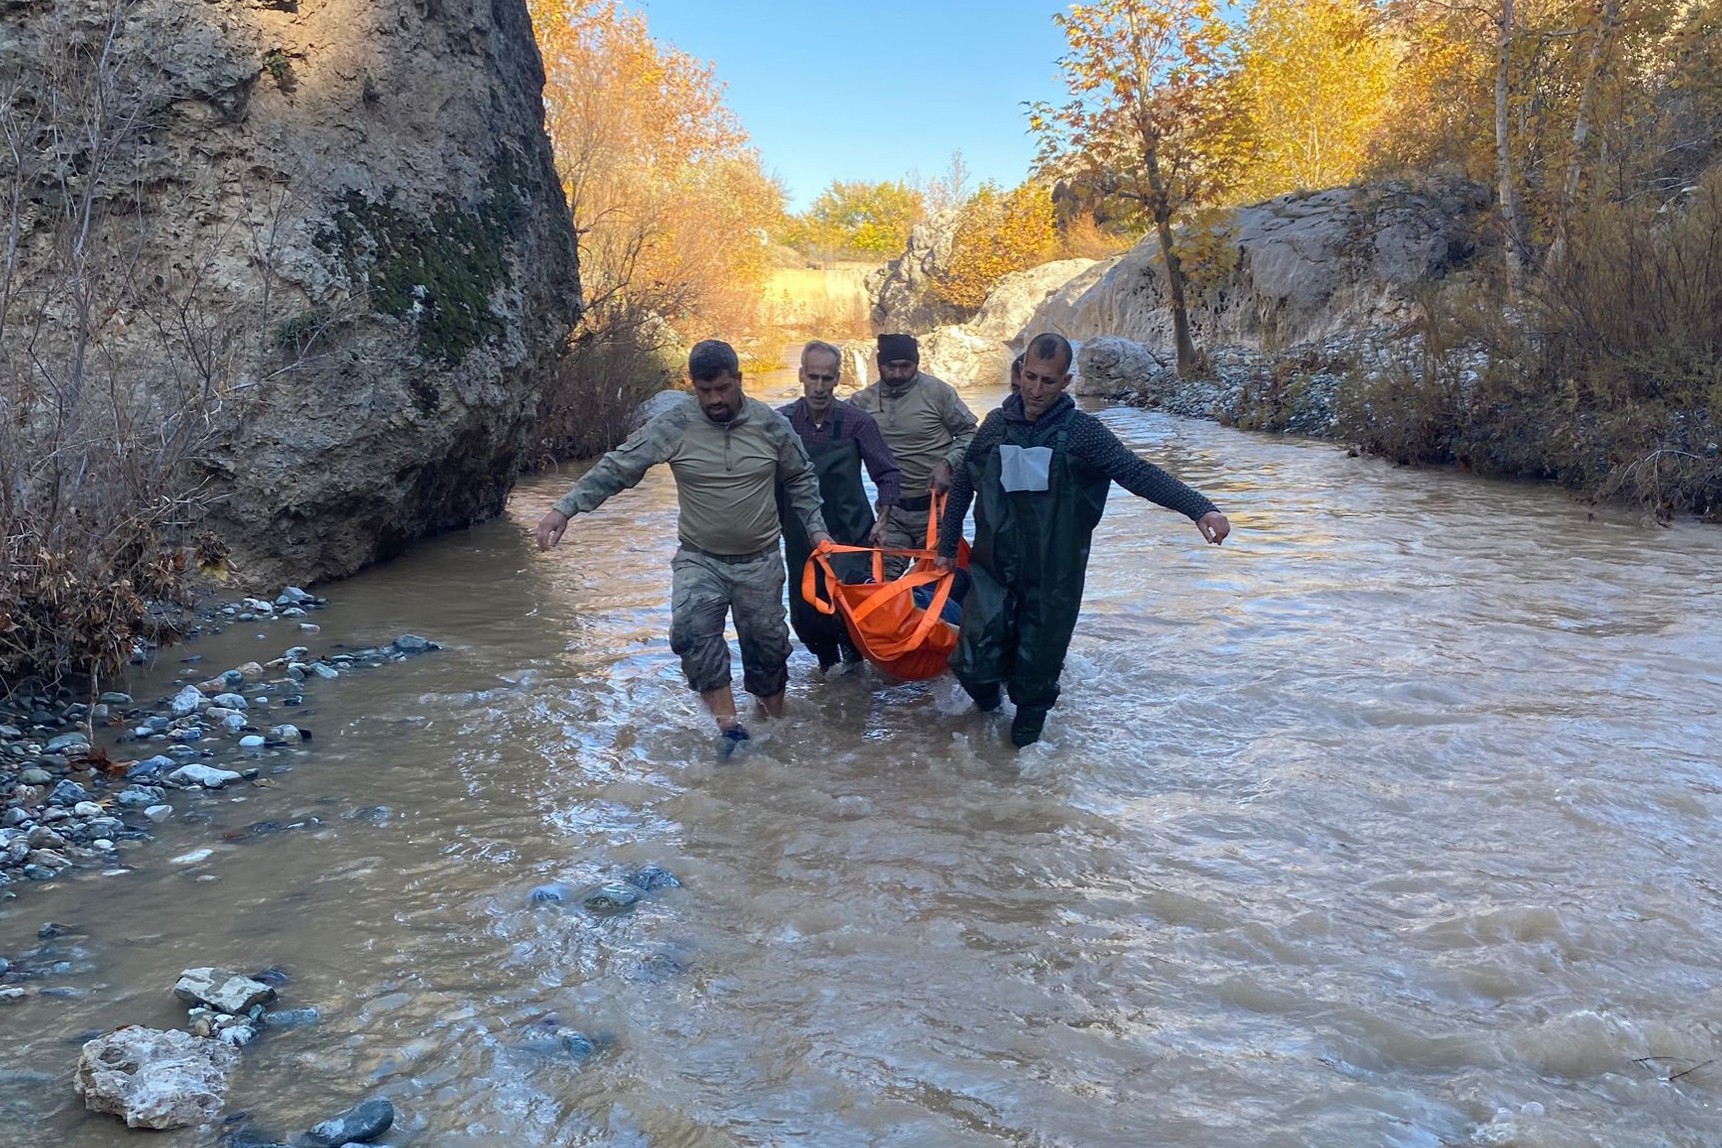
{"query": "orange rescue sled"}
(892, 632)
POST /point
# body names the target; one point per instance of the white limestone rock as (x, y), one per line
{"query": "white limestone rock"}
(155, 1078)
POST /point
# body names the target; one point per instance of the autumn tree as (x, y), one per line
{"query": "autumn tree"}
(669, 201)
(1153, 119)
(1440, 107)
(869, 220)
(1316, 77)
(997, 232)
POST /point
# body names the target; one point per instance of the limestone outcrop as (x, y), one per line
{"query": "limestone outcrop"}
(902, 289)
(979, 350)
(1293, 270)
(349, 213)
(1108, 365)
(1017, 297)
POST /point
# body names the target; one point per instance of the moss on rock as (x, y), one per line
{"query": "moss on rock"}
(439, 271)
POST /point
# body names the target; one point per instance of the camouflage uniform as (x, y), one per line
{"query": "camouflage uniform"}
(726, 482)
(925, 423)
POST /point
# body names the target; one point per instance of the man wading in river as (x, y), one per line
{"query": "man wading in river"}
(838, 437)
(728, 453)
(927, 428)
(1038, 472)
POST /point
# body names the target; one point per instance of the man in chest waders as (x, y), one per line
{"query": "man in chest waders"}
(1038, 473)
(839, 437)
(927, 426)
(728, 453)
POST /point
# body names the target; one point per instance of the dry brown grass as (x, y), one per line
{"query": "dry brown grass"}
(1604, 374)
(1082, 238)
(828, 303)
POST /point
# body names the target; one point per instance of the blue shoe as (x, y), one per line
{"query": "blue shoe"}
(732, 739)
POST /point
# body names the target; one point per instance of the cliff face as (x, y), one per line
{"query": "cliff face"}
(357, 202)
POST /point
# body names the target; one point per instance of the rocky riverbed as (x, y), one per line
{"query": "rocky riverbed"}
(80, 780)
(163, 1079)
(87, 784)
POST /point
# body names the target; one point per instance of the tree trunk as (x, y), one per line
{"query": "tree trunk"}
(1610, 17)
(1503, 154)
(1162, 210)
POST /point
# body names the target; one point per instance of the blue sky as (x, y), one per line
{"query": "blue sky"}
(873, 90)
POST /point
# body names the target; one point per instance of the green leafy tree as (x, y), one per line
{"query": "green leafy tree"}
(870, 220)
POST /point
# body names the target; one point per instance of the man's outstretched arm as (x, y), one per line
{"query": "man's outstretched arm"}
(617, 471)
(1100, 449)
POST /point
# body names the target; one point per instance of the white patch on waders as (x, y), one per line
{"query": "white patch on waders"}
(1024, 467)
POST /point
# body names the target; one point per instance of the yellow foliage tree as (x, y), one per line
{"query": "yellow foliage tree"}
(1151, 123)
(1440, 107)
(858, 219)
(1556, 102)
(1317, 76)
(670, 203)
(997, 233)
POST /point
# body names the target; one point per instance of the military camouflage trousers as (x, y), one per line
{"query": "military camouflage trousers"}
(906, 530)
(704, 589)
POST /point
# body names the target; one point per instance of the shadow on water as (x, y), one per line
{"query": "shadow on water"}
(1387, 823)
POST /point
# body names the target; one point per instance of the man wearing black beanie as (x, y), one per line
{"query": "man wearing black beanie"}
(928, 428)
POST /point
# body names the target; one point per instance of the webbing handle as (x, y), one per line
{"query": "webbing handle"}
(935, 512)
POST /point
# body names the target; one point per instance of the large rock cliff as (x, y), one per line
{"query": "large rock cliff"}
(902, 290)
(355, 201)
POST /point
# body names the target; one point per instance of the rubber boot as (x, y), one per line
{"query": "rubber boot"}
(1025, 727)
(986, 695)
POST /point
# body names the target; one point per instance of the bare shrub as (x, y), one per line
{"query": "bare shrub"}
(619, 356)
(1612, 380)
(1605, 374)
(1413, 407)
(114, 380)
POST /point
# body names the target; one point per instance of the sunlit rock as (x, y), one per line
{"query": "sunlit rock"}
(153, 1078)
(221, 989)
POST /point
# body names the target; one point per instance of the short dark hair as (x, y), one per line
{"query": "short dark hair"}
(1051, 348)
(712, 358)
(1016, 364)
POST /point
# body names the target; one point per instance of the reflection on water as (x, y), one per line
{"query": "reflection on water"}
(1391, 822)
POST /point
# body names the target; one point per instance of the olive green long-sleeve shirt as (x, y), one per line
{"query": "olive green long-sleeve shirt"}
(726, 476)
(924, 422)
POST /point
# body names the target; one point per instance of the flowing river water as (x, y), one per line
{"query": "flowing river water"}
(1392, 822)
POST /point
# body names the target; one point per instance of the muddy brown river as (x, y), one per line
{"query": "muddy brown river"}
(1392, 822)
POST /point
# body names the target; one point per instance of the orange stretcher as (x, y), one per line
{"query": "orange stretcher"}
(887, 627)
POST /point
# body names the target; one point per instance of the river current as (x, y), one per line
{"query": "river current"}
(1394, 821)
